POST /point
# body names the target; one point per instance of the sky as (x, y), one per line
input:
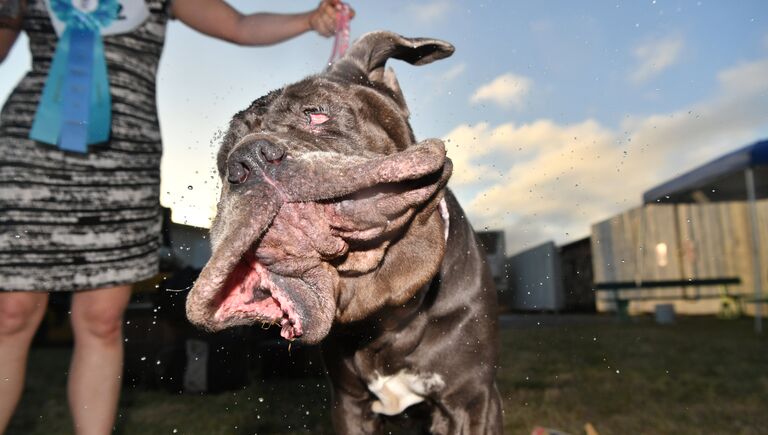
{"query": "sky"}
(556, 114)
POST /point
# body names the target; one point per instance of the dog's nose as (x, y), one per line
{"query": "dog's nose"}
(246, 157)
(237, 172)
(271, 152)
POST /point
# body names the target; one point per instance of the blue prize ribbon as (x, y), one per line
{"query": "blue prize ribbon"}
(47, 122)
(75, 107)
(101, 99)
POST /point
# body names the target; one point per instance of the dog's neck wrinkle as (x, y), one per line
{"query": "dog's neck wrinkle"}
(380, 330)
(365, 295)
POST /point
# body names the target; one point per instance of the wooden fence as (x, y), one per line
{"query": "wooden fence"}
(681, 242)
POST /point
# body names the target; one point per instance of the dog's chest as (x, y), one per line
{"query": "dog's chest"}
(401, 390)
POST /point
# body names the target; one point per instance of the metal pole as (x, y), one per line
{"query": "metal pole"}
(757, 263)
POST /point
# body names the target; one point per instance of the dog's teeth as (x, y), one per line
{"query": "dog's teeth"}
(286, 321)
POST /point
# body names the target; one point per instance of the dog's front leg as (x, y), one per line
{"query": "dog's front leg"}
(351, 412)
(469, 413)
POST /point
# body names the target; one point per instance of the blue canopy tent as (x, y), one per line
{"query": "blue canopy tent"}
(741, 175)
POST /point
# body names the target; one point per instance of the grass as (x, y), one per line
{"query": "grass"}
(701, 375)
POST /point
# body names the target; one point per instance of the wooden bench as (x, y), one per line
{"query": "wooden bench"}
(625, 291)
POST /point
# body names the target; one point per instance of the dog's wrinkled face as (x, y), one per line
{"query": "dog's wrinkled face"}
(322, 185)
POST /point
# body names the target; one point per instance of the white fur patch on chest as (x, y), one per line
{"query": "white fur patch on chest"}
(399, 391)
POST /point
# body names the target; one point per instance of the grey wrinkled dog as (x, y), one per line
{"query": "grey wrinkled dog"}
(335, 224)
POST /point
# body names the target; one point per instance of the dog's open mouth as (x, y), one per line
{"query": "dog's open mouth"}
(250, 294)
(264, 270)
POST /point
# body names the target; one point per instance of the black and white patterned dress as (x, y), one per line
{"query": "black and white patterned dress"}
(81, 221)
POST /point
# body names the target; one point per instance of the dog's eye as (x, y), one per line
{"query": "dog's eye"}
(316, 117)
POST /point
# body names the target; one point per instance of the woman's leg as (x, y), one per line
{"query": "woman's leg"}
(20, 315)
(97, 362)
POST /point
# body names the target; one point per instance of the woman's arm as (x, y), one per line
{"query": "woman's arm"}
(7, 38)
(218, 19)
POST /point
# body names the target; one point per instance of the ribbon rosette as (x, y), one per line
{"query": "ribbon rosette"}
(75, 108)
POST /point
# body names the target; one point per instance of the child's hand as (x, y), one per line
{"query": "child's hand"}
(323, 19)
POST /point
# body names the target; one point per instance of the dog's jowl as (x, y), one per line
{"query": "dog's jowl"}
(336, 224)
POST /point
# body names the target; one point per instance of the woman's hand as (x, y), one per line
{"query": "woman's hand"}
(323, 19)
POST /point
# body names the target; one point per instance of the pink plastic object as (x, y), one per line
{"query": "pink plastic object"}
(341, 40)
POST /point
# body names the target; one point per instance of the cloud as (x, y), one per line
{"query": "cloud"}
(431, 11)
(654, 57)
(554, 180)
(463, 149)
(455, 72)
(508, 91)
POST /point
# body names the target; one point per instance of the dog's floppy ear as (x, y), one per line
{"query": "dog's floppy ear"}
(329, 175)
(371, 52)
(395, 234)
(385, 208)
(374, 215)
